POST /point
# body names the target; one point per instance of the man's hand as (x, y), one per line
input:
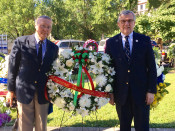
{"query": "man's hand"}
(9, 97)
(149, 98)
(111, 96)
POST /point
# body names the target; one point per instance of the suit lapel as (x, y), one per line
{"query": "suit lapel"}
(32, 44)
(47, 55)
(120, 47)
(134, 47)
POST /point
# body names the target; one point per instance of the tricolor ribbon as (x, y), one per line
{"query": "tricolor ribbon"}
(74, 87)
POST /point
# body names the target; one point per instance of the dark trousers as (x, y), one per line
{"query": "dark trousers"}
(130, 110)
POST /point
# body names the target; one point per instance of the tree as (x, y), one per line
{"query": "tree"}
(56, 10)
(17, 17)
(160, 23)
(153, 4)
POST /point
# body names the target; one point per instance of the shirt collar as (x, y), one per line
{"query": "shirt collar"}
(130, 35)
(37, 39)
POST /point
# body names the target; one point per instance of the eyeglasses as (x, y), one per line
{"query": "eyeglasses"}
(44, 27)
(124, 21)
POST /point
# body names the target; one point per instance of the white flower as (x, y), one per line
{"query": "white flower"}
(53, 88)
(56, 63)
(108, 88)
(72, 54)
(60, 102)
(8, 112)
(111, 71)
(95, 53)
(85, 101)
(99, 89)
(101, 80)
(159, 70)
(66, 53)
(65, 109)
(83, 112)
(69, 62)
(102, 101)
(60, 70)
(106, 58)
(97, 68)
(2, 99)
(91, 55)
(66, 93)
(80, 48)
(71, 106)
(163, 78)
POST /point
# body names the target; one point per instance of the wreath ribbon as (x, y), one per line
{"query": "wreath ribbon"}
(74, 87)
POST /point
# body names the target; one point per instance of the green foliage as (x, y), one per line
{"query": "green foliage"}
(16, 17)
(77, 19)
(171, 51)
(156, 3)
(157, 53)
(158, 23)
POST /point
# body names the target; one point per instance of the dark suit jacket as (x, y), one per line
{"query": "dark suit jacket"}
(140, 75)
(24, 75)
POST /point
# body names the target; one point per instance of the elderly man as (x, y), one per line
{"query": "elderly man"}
(31, 57)
(135, 82)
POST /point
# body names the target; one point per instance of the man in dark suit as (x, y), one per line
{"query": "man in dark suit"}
(30, 59)
(135, 82)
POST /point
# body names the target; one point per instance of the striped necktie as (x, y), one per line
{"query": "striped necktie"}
(40, 53)
(127, 49)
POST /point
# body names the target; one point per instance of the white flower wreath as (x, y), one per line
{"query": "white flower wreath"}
(98, 66)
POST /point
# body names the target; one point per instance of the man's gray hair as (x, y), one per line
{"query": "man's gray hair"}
(44, 17)
(126, 12)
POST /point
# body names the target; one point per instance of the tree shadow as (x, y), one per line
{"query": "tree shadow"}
(163, 125)
(89, 125)
(97, 123)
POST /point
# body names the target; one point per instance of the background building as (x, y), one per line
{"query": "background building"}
(142, 6)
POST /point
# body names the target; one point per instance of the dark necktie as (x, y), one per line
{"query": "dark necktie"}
(127, 49)
(40, 53)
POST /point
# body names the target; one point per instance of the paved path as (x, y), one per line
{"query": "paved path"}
(90, 129)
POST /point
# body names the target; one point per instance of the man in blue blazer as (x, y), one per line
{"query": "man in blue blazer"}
(135, 82)
(30, 59)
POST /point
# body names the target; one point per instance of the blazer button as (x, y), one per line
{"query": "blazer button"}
(35, 82)
(128, 71)
(39, 70)
(127, 83)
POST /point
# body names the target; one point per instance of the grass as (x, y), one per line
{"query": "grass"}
(162, 116)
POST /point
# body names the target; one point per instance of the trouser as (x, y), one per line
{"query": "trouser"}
(32, 115)
(130, 110)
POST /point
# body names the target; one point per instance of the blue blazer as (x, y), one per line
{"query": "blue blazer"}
(24, 76)
(138, 77)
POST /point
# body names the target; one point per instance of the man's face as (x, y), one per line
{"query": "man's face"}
(126, 24)
(43, 28)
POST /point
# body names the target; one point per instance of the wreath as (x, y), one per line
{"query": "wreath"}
(93, 74)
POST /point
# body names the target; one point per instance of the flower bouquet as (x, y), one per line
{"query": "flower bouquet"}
(4, 112)
(161, 87)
